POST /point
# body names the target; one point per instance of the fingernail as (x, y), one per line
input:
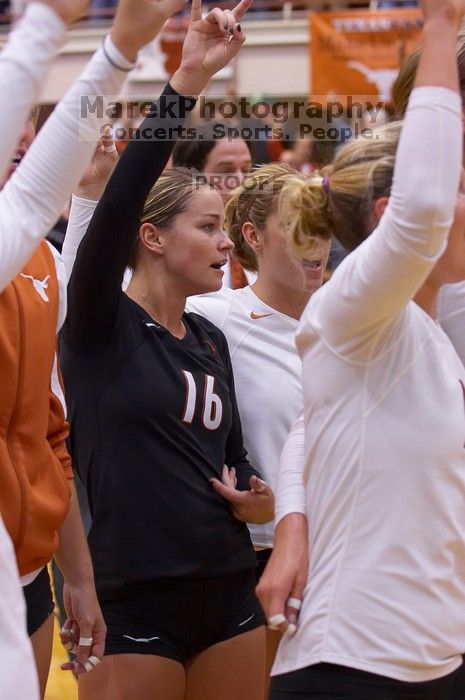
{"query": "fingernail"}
(261, 485)
(290, 631)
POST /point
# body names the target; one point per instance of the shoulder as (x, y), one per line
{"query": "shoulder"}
(216, 306)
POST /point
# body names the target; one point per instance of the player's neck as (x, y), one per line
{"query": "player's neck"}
(286, 300)
(160, 301)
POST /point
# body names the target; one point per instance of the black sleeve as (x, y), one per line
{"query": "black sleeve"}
(235, 452)
(95, 285)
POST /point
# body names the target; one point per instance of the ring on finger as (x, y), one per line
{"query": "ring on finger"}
(295, 603)
(86, 641)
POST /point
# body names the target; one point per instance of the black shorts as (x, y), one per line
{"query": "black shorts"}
(263, 556)
(331, 682)
(39, 601)
(177, 618)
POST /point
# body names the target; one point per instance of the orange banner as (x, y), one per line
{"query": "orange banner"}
(358, 52)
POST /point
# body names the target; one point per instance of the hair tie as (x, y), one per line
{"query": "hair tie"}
(325, 184)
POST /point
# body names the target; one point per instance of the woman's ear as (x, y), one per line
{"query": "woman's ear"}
(379, 207)
(252, 237)
(151, 238)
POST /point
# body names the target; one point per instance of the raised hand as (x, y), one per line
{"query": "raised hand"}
(137, 22)
(99, 169)
(253, 506)
(211, 42)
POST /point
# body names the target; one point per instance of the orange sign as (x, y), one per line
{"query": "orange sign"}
(359, 52)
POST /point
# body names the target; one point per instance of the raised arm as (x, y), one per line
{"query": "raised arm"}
(372, 285)
(93, 296)
(25, 60)
(38, 190)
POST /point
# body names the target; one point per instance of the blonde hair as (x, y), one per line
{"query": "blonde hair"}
(342, 205)
(405, 80)
(255, 201)
(170, 196)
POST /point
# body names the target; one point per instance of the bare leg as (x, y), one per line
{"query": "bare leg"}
(133, 676)
(41, 642)
(273, 637)
(230, 670)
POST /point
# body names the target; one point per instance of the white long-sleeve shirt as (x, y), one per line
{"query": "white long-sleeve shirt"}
(384, 420)
(24, 62)
(36, 193)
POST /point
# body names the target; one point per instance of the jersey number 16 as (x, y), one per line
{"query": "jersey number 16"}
(212, 409)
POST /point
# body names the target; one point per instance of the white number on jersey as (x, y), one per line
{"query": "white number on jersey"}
(212, 408)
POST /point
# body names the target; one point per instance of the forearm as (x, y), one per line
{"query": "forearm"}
(24, 62)
(33, 198)
(292, 530)
(439, 39)
(72, 555)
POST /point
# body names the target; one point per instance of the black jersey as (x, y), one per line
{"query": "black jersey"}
(153, 418)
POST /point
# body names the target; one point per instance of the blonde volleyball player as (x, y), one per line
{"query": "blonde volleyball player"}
(382, 613)
(173, 560)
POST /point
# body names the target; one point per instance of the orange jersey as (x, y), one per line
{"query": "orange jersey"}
(34, 462)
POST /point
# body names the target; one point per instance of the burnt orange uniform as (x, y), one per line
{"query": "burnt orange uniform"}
(34, 462)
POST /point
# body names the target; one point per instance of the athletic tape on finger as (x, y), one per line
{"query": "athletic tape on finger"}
(110, 149)
(86, 641)
(295, 603)
(276, 620)
(91, 663)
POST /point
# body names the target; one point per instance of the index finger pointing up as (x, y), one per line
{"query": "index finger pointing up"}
(241, 8)
(196, 10)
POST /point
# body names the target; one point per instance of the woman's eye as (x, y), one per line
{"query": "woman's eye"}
(208, 227)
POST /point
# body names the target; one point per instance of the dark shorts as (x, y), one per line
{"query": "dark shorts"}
(39, 601)
(177, 618)
(331, 682)
(263, 556)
